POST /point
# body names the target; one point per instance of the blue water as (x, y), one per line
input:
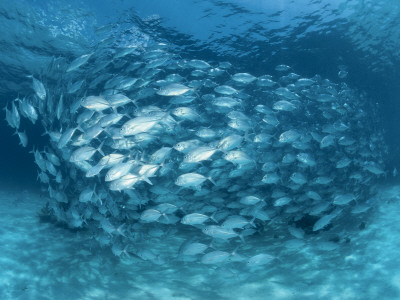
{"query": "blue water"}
(47, 260)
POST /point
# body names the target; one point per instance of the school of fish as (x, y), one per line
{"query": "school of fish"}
(144, 144)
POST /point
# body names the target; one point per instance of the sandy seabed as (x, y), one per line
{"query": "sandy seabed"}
(40, 260)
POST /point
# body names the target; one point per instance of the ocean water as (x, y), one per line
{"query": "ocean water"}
(314, 70)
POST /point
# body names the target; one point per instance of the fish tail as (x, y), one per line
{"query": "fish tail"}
(252, 222)
(212, 181)
(212, 217)
(99, 149)
(242, 238)
(145, 178)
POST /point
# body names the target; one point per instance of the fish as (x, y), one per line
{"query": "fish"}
(85, 153)
(158, 155)
(196, 219)
(219, 232)
(298, 178)
(39, 88)
(238, 157)
(87, 194)
(230, 142)
(76, 86)
(187, 146)
(306, 159)
(186, 113)
(23, 138)
(343, 199)
(119, 99)
(327, 141)
(251, 200)
(225, 90)
(260, 259)
(226, 102)
(60, 108)
(282, 201)
(215, 257)
(289, 136)
(95, 103)
(296, 232)
(323, 222)
(66, 137)
(193, 248)
(199, 154)
(245, 78)
(139, 125)
(123, 182)
(191, 180)
(271, 178)
(28, 110)
(237, 222)
(150, 215)
(119, 170)
(79, 61)
(198, 64)
(15, 116)
(284, 105)
(282, 68)
(173, 89)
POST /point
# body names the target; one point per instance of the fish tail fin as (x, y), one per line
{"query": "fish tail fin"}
(165, 216)
(79, 128)
(223, 151)
(125, 251)
(178, 125)
(252, 222)
(211, 245)
(278, 258)
(242, 238)
(45, 132)
(114, 109)
(255, 163)
(145, 178)
(234, 252)
(120, 229)
(162, 164)
(212, 217)
(264, 200)
(247, 137)
(96, 196)
(134, 103)
(142, 157)
(212, 181)
(183, 210)
(99, 148)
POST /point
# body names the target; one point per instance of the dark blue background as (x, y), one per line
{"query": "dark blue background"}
(313, 37)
